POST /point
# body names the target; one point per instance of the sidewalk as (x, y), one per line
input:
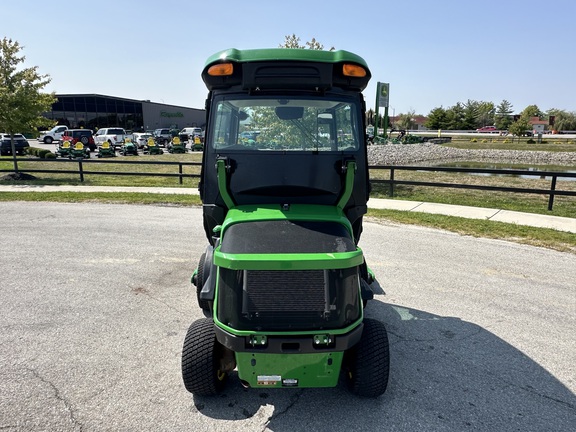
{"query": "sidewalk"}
(518, 218)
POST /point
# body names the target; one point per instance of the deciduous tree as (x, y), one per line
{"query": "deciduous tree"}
(21, 100)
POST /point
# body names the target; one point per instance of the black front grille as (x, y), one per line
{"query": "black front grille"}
(285, 300)
(284, 291)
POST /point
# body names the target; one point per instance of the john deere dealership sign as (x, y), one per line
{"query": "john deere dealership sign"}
(382, 94)
(171, 114)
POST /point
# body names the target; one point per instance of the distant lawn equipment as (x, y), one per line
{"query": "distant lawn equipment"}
(78, 150)
(176, 146)
(152, 147)
(106, 150)
(129, 148)
(197, 144)
(63, 149)
(282, 282)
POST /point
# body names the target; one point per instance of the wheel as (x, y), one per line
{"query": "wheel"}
(367, 365)
(201, 355)
(48, 140)
(84, 140)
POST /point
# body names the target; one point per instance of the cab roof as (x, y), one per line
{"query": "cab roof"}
(286, 68)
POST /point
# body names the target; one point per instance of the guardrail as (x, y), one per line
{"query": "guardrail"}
(391, 182)
(552, 192)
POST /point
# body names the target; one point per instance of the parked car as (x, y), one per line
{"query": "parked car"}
(162, 136)
(80, 135)
(54, 134)
(188, 133)
(487, 129)
(20, 144)
(141, 138)
(115, 136)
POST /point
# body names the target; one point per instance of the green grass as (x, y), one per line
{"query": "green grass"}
(532, 203)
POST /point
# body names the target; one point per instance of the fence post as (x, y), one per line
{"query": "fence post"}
(552, 189)
(391, 192)
(81, 170)
(180, 171)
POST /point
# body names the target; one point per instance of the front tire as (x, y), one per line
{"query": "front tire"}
(201, 355)
(367, 364)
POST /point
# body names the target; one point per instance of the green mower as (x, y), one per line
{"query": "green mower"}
(176, 146)
(79, 151)
(282, 282)
(106, 150)
(129, 148)
(152, 148)
(63, 149)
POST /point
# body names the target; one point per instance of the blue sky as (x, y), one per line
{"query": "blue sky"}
(433, 53)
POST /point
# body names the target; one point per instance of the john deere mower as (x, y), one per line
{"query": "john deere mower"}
(282, 282)
(176, 146)
(129, 148)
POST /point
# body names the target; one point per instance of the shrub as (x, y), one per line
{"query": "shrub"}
(530, 141)
(50, 155)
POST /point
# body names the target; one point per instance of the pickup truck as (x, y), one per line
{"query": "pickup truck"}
(54, 134)
(115, 136)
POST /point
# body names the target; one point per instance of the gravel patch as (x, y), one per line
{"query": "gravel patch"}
(398, 154)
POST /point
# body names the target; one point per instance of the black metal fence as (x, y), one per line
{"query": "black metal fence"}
(81, 170)
(551, 192)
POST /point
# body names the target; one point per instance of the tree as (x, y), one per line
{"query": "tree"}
(503, 116)
(293, 41)
(21, 100)
(406, 121)
(563, 120)
(436, 119)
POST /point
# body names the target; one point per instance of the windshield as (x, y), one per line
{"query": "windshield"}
(297, 124)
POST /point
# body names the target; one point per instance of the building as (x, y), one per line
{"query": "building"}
(94, 111)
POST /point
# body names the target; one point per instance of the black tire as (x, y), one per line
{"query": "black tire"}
(201, 356)
(367, 364)
(48, 140)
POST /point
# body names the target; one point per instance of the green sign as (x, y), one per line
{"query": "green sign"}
(169, 114)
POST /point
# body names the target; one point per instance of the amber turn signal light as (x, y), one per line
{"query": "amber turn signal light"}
(221, 69)
(353, 70)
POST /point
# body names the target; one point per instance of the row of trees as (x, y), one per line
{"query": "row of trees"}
(472, 115)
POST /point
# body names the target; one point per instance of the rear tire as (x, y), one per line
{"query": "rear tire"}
(201, 357)
(48, 140)
(367, 364)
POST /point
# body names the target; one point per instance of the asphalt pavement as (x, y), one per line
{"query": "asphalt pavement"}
(498, 215)
(96, 300)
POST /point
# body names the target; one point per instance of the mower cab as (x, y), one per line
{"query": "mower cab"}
(284, 186)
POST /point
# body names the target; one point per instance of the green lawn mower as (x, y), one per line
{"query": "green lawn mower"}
(282, 282)
(63, 149)
(106, 150)
(79, 151)
(152, 147)
(129, 148)
(176, 146)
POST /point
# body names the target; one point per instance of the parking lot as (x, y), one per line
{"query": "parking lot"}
(96, 300)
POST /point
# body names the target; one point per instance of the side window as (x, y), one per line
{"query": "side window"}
(221, 129)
